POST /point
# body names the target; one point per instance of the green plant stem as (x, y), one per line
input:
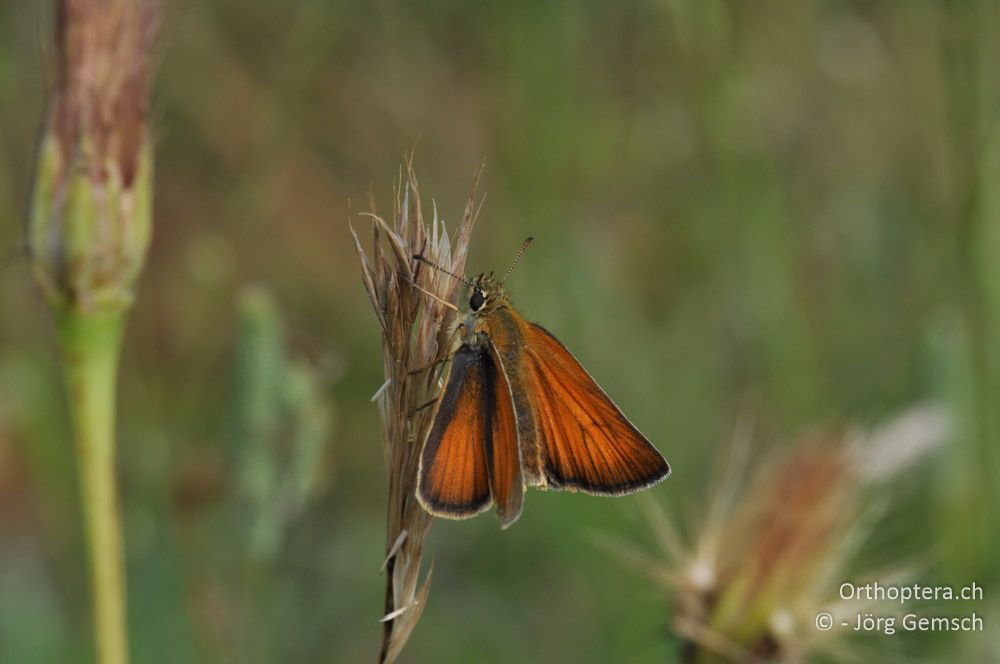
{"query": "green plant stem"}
(91, 345)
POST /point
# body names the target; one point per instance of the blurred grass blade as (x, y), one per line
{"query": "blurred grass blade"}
(282, 421)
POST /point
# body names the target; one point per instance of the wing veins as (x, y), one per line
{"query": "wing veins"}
(588, 429)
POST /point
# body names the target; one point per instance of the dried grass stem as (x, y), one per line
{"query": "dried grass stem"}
(413, 306)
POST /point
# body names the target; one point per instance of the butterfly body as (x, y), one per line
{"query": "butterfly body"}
(518, 410)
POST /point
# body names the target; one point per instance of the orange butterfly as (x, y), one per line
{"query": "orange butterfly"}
(519, 410)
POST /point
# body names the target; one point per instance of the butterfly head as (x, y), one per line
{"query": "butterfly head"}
(487, 290)
(487, 293)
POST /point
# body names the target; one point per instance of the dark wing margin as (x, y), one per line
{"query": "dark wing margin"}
(454, 477)
(587, 443)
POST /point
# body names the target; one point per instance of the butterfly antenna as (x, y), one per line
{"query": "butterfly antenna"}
(520, 252)
(437, 267)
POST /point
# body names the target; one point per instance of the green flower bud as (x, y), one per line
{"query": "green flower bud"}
(91, 211)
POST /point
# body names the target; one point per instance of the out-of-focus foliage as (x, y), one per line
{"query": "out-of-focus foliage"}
(280, 426)
(766, 556)
(793, 203)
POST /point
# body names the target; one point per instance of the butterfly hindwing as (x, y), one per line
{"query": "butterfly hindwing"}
(506, 483)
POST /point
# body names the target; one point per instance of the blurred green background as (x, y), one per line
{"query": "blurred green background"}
(785, 203)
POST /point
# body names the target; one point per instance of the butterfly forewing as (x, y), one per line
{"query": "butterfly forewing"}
(586, 443)
(454, 475)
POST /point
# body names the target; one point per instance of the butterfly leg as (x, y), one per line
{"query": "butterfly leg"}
(425, 405)
(447, 358)
(441, 360)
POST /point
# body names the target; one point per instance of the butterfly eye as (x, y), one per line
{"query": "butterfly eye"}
(477, 300)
